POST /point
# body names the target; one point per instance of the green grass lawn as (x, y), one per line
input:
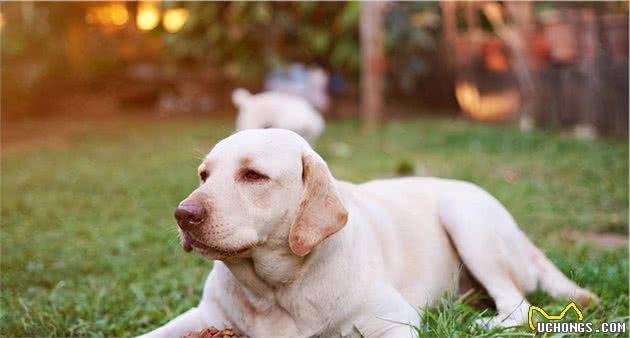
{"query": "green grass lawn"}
(89, 245)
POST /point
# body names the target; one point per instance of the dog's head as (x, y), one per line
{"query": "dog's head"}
(240, 96)
(260, 187)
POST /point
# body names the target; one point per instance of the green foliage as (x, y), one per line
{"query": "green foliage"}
(411, 31)
(38, 34)
(32, 46)
(89, 246)
(249, 38)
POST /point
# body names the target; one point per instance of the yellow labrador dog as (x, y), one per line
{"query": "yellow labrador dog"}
(301, 254)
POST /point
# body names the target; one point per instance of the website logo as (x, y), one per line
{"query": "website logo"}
(553, 325)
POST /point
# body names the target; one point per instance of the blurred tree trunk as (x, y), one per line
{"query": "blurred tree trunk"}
(517, 37)
(471, 15)
(449, 18)
(372, 32)
(589, 93)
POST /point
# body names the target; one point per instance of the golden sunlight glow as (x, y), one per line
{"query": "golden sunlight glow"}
(119, 15)
(148, 16)
(174, 19)
(1, 22)
(108, 15)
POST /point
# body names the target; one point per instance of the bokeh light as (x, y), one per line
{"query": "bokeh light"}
(119, 15)
(174, 19)
(109, 15)
(148, 16)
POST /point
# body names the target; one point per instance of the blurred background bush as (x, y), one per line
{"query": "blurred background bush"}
(559, 65)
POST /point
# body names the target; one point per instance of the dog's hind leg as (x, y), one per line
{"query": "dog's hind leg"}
(498, 253)
(491, 246)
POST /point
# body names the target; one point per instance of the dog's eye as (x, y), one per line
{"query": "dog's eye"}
(203, 176)
(253, 176)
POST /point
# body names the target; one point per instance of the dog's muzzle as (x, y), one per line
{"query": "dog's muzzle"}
(190, 214)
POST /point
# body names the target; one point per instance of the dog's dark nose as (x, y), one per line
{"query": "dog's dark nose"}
(189, 214)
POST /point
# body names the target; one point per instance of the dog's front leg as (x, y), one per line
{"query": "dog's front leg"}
(189, 321)
(390, 316)
(207, 313)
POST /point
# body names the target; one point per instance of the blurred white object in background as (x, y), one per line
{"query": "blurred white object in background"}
(277, 110)
(308, 83)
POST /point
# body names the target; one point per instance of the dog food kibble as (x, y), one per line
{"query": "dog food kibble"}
(213, 332)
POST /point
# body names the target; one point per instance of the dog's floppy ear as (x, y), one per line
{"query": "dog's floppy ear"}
(320, 212)
(239, 96)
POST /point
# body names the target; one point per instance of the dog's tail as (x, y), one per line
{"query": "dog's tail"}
(556, 284)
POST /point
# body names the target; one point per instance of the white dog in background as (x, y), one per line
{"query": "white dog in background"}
(277, 110)
(301, 254)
